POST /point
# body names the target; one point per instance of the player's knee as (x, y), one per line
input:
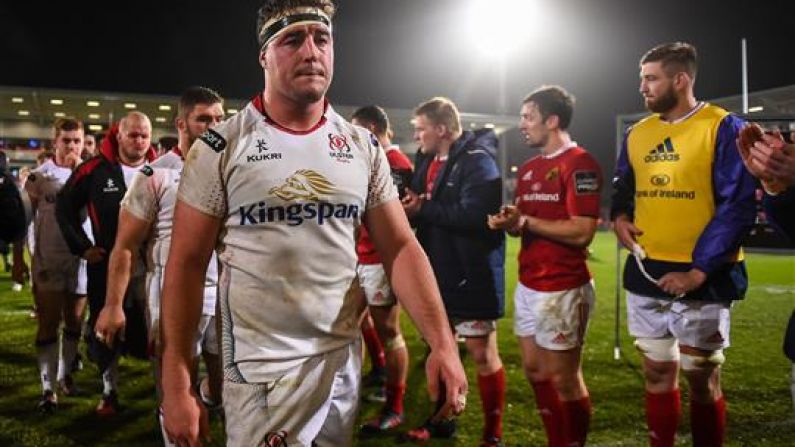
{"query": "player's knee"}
(703, 362)
(394, 343)
(533, 371)
(658, 349)
(566, 384)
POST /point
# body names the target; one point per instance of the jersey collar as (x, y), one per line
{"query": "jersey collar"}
(259, 104)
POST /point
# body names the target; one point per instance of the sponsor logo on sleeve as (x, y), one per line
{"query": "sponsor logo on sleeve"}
(586, 182)
(214, 140)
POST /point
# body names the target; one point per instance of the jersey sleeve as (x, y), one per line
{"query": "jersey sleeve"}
(381, 187)
(141, 198)
(201, 185)
(583, 186)
(623, 199)
(71, 199)
(735, 201)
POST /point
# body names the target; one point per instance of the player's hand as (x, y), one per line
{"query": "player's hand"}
(681, 283)
(111, 321)
(412, 202)
(94, 254)
(184, 418)
(626, 231)
(509, 219)
(444, 371)
(777, 160)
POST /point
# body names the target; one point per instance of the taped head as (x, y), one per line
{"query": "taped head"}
(275, 17)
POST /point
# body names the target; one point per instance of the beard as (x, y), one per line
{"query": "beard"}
(662, 103)
(132, 155)
(538, 142)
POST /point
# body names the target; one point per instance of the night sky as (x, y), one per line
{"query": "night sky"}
(400, 52)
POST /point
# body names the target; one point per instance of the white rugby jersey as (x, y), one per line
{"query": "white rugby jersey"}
(291, 204)
(151, 197)
(43, 185)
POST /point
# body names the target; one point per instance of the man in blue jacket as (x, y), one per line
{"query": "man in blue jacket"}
(455, 187)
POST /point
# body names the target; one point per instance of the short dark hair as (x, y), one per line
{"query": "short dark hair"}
(196, 95)
(168, 142)
(553, 100)
(274, 8)
(373, 115)
(675, 57)
(66, 125)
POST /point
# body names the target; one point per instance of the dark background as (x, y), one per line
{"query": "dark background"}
(400, 52)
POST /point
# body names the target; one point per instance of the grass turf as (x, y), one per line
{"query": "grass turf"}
(755, 377)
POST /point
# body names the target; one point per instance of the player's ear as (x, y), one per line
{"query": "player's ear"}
(682, 80)
(262, 57)
(552, 122)
(180, 123)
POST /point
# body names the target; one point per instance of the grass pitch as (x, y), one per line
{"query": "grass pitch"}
(755, 378)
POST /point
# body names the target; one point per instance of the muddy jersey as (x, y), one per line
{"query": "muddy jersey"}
(290, 204)
(151, 197)
(556, 187)
(43, 185)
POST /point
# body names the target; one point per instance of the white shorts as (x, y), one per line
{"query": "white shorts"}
(474, 328)
(313, 404)
(699, 324)
(375, 284)
(206, 337)
(56, 273)
(82, 278)
(556, 320)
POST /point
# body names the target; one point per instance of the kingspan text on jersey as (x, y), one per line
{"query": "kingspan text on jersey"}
(296, 213)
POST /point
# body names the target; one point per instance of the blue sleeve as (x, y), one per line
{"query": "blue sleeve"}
(623, 199)
(735, 205)
(479, 194)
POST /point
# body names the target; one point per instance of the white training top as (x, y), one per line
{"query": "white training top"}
(151, 197)
(290, 204)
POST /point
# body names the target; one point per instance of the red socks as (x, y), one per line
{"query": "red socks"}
(662, 417)
(394, 397)
(374, 347)
(578, 419)
(708, 423)
(551, 411)
(492, 396)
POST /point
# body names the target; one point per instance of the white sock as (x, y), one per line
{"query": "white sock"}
(109, 376)
(166, 442)
(69, 343)
(47, 355)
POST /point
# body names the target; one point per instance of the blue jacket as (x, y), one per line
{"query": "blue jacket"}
(467, 258)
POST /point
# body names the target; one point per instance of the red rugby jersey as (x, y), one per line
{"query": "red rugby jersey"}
(400, 166)
(555, 188)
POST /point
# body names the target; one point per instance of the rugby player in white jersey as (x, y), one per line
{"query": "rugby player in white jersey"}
(59, 276)
(146, 219)
(280, 190)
